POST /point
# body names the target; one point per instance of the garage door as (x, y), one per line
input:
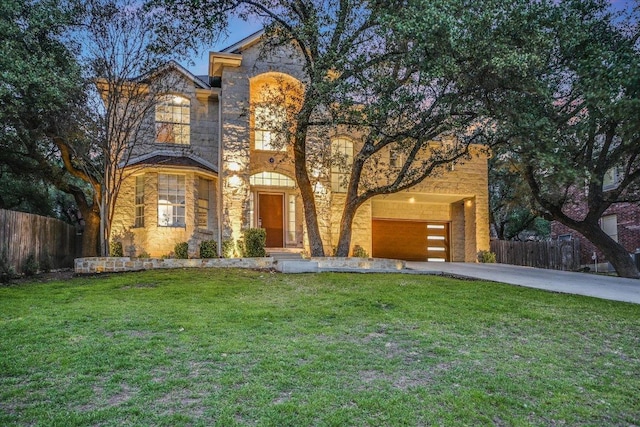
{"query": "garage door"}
(410, 240)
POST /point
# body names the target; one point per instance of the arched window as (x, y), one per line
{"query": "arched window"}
(271, 179)
(173, 120)
(341, 161)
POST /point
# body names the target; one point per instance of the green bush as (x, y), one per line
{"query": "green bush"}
(486, 257)
(208, 249)
(254, 242)
(181, 250)
(46, 263)
(144, 254)
(30, 266)
(115, 249)
(359, 252)
(227, 248)
(6, 270)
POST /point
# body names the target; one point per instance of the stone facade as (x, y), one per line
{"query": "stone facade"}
(224, 149)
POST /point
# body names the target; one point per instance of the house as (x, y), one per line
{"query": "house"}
(214, 168)
(621, 222)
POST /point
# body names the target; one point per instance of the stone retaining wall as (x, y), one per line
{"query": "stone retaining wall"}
(119, 264)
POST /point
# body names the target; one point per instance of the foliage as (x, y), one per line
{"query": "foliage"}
(115, 249)
(181, 250)
(487, 257)
(360, 252)
(144, 254)
(7, 272)
(46, 262)
(208, 249)
(30, 266)
(254, 241)
(569, 122)
(228, 248)
(357, 349)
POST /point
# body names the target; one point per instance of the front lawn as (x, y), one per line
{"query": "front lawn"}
(229, 347)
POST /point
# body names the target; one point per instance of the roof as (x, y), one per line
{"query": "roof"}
(173, 64)
(177, 161)
(244, 43)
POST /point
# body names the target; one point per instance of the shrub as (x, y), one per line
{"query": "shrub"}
(30, 266)
(46, 263)
(254, 242)
(208, 249)
(486, 257)
(6, 270)
(115, 249)
(359, 252)
(181, 250)
(144, 254)
(227, 248)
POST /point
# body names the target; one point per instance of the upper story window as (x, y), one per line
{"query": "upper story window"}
(397, 157)
(341, 161)
(268, 133)
(611, 179)
(173, 120)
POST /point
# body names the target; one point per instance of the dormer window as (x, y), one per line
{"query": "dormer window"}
(173, 120)
(268, 133)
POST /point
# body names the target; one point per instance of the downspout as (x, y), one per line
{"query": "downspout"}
(220, 177)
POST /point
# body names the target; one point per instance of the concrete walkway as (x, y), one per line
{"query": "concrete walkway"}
(593, 285)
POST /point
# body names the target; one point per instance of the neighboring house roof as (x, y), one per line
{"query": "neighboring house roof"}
(165, 159)
(244, 43)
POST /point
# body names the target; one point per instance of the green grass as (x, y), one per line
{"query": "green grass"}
(228, 347)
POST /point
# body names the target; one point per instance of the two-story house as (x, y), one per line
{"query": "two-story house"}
(215, 169)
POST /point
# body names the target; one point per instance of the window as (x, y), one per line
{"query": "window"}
(203, 203)
(139, 202)
(171, 205)
(268, 134)
(396, 157)
(291, 229)
(173, 118)
(251, 210)
(609, 224)
(341, 161)
(611, 179)
(272, 179)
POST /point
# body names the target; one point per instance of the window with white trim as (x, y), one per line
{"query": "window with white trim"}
(173, 120)
(341, 161)
(609, 224)
(203, 202)
(611, 179)
(269, 122)
(271, 179)
(396, 157)
(291, 226)
(139, 202)
(171, 200)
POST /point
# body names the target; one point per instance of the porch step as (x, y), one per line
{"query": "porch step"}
(284, 254)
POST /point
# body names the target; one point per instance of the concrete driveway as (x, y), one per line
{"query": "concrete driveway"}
(592, 285)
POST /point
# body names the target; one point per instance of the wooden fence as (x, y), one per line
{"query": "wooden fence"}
(22, 234)
(552, 254)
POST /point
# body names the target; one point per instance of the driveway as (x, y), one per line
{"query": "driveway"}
(592, 285)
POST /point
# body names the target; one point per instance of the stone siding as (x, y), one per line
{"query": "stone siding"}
(122, 264)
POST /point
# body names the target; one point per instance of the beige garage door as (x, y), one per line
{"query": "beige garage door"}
(410, 240)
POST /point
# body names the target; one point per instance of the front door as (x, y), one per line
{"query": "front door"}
(271, 218)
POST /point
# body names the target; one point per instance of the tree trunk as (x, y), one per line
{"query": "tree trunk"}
(612, 250)
(306, 191)
(346, 223)
(91, 234)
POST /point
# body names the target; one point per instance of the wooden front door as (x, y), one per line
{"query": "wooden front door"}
(271, 218)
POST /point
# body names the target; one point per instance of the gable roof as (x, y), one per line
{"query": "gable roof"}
(199, 83)
(245, 43)
(168, 158)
